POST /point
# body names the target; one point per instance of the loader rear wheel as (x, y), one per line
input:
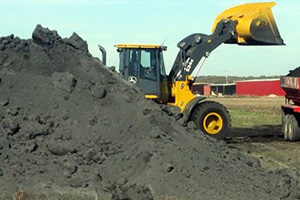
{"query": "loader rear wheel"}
(213, 119)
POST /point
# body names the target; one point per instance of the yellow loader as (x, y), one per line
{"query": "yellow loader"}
(143, 65)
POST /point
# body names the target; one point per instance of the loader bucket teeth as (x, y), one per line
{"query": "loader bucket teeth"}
(255, 24)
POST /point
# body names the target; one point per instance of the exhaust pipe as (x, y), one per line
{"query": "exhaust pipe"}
(101, 48)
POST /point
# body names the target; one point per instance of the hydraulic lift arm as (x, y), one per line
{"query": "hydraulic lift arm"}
(194, 49)
(197, 47)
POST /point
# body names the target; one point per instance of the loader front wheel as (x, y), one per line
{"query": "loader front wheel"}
(213, 119)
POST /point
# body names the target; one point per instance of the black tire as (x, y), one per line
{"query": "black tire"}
(212, 113)
(282, 120)
(286, 126)
(295, 133)
(291, 128)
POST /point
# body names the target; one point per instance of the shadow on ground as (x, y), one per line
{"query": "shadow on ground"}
(262, 134)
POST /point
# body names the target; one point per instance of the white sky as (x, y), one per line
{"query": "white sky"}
(109, 22)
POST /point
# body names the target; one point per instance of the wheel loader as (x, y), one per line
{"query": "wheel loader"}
(143, 64)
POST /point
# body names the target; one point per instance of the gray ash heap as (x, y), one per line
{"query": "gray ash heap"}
(70, 126)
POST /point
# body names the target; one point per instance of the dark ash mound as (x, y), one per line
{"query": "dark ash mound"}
(68, 124)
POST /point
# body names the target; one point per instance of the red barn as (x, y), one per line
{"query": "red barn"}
(264, 87)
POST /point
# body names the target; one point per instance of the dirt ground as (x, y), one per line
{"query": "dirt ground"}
(256, 131)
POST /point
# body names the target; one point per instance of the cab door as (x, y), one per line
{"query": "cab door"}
(149, 79)
(129, 59)
(141, 67)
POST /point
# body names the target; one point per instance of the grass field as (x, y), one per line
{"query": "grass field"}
(249, 112)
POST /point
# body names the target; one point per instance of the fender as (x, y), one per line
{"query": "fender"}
(189, 108)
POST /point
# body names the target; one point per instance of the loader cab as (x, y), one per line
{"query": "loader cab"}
(143, 65)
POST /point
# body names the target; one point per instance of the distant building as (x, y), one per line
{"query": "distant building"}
(224, 89)
(207, 89)
(201, 89)
(260, 87)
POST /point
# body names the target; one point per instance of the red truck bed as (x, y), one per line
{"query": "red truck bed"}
(291, 86)
(291, 112)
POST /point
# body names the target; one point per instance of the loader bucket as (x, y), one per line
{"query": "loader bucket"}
(255, 24)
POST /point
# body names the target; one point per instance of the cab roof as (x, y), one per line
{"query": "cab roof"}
(140, 46)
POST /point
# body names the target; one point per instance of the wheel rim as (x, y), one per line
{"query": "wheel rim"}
(212, 123)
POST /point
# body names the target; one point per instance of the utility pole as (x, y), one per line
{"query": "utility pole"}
(226, 76)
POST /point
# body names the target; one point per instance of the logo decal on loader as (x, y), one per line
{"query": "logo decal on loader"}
(188, 68)
(132, 79)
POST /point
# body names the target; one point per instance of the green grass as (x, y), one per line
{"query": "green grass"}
(250, 112)
(242, 118)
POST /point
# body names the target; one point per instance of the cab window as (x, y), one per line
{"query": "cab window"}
(133, 62)
(162, 65)
(122, 61)
(148, 64)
